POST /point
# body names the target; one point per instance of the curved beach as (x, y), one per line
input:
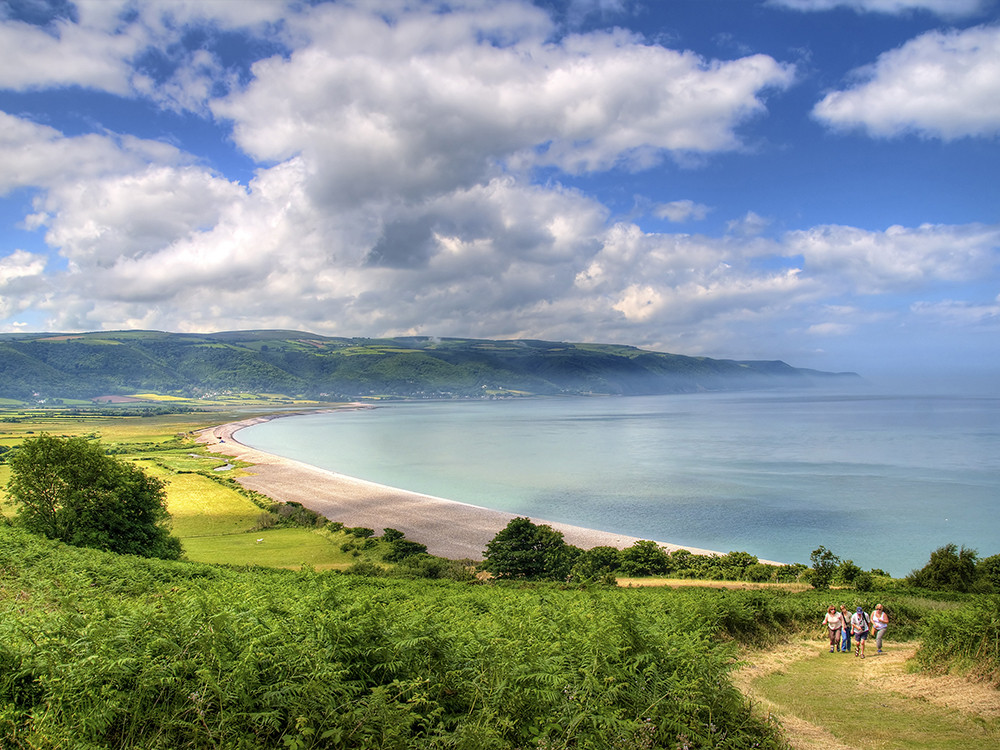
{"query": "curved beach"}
(449, 528)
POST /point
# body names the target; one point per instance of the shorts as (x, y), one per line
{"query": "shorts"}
(861, 636)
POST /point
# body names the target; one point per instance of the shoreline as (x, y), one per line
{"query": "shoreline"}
(449, 528)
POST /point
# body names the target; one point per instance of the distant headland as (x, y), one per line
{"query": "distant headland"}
(84, 365)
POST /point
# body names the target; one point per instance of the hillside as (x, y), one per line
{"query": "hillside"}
(53, 365)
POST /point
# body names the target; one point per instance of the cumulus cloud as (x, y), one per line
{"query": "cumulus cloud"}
(943, 84)
(403, 105)
(396, 153)
(21, 277)
(682, 210)
(941, 7)
(876, 262)
(40, 156)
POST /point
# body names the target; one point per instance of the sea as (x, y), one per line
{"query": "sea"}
(879, 479)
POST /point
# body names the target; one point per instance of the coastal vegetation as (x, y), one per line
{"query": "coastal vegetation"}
(282, 629)
(108, 365)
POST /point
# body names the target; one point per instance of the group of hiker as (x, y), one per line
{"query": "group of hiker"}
(843, 626)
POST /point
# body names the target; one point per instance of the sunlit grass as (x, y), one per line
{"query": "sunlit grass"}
(831, 691)
(274, 548)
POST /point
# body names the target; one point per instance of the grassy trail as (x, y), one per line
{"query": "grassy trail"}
(839, 702)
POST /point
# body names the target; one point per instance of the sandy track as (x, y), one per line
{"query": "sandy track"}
(448, 528)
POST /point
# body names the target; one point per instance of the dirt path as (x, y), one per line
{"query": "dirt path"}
(876, 676)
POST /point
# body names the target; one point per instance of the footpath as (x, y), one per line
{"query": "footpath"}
(840, 702)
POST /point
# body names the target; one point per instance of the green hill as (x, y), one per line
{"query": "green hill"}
(296, 363)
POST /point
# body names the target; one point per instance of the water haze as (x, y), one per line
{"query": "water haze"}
(882, 480)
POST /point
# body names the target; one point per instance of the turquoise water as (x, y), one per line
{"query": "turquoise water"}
(881, 480)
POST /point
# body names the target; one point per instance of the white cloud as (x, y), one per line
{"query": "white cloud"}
(419, 103)
(682, 210)
(749, 225)
(941, 84)
(21, 276)
(955, 313)
(871, 262)
(64, 55)
(941, 7)
(39, 156)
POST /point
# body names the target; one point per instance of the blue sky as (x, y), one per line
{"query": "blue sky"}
(807, 180)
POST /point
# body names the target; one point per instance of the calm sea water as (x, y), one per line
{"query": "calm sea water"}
(881, 480)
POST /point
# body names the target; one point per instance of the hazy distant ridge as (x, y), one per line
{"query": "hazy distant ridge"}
(298, 363)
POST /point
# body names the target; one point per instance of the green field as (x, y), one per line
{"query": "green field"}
(215, 522)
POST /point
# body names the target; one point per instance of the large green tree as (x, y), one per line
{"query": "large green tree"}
(950, 568)
(69, 489)
(527, 551)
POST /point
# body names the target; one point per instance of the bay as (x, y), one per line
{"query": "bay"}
(882, 480)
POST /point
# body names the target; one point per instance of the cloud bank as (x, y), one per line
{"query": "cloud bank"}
(411, 170)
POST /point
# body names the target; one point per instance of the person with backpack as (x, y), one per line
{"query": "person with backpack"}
(860, 625)
(845, 634)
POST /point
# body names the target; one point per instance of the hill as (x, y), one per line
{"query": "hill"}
(85, 365)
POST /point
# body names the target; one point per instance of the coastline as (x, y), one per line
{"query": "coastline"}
(449, 528)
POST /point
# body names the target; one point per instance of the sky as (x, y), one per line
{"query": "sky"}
(816, 181)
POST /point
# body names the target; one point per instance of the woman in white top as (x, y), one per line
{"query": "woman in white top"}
(834, 622)
(880, 621)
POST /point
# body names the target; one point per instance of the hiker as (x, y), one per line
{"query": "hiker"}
(835, 624)
(860, 625)
(845, 634)
(880, 621)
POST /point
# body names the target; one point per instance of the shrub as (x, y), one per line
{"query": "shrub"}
(965, 640)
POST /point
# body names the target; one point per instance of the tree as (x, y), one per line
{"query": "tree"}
(597, 563)
(988, 571)
(824, 565)
(949, 568)
(529, 552)
(69, 489)
(645, 558)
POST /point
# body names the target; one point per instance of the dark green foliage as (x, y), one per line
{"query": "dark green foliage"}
(988, 572)
(361, 532)
(523, 550)
(98, 651)
(949, 569)
(645, 558)
(69, 489)
(293, 362)
(824, 567)
(596, 563)
(400, 549)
